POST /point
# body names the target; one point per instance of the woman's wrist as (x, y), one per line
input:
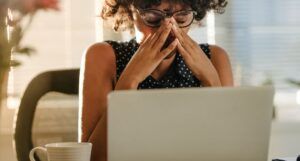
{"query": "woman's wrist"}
(211, 83)
(210, 80)
(125, 83)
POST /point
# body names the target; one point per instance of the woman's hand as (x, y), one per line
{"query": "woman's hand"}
(195, 58)
(147, 58)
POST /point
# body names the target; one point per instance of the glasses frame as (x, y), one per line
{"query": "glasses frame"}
(165, 15)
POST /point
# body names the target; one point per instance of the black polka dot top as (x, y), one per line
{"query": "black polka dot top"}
(178, 76)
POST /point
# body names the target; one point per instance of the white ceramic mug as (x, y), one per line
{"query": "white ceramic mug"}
(68, 151)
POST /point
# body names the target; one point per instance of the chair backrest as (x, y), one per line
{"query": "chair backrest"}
(63, 81)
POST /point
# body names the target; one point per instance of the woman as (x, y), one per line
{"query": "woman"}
(161, 55)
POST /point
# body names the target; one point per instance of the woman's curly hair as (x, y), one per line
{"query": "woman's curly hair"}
(121, 13)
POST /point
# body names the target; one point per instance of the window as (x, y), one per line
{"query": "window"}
(263, 40)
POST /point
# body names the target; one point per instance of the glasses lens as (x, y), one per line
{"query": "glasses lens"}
(152, 18)
(184, 18)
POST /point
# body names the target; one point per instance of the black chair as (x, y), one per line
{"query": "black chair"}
(62, 81)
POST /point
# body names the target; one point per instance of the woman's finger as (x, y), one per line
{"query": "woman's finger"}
(177, 33)
(164, 53)
(156, 35)
(185, 55)
(146, 40)
(190, 41)
(176, 28)
(183, 38)
(162, 38)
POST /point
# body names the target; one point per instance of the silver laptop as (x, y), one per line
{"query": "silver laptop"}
(203, 124)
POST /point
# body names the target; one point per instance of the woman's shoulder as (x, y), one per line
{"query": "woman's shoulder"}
(99, 58)
(213, 50)
(218, 52)
(220, 59)
(99, 51)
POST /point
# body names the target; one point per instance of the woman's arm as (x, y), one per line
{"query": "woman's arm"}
(221, 62)
(96, 81)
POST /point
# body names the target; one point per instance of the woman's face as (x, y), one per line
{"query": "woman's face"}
(142, 30)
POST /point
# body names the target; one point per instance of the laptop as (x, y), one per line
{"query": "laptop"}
(190, 124)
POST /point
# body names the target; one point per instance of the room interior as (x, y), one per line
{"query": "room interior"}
(261, 38)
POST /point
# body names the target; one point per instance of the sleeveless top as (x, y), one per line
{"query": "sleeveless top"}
(177, 76)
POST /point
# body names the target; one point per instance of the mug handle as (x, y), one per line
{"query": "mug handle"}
(32, 151)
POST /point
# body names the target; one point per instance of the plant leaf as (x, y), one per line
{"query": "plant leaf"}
(293, 82)
(15, 63)
(24, 50)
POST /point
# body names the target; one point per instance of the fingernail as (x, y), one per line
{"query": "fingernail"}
(173, 20)
(165, 22)
(176, 41)
(174, 27)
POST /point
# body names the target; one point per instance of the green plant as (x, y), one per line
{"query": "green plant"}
(293, 82)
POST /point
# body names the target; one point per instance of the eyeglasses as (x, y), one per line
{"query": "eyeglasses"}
(154, 17)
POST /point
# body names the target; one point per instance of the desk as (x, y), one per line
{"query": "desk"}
(285, 140)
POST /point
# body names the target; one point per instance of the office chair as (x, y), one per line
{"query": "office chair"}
(62, 81)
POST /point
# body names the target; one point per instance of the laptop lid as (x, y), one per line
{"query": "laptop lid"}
(209, 124)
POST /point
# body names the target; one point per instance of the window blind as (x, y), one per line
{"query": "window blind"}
(263, 39)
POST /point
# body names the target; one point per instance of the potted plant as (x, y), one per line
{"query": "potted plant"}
(15, 18)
